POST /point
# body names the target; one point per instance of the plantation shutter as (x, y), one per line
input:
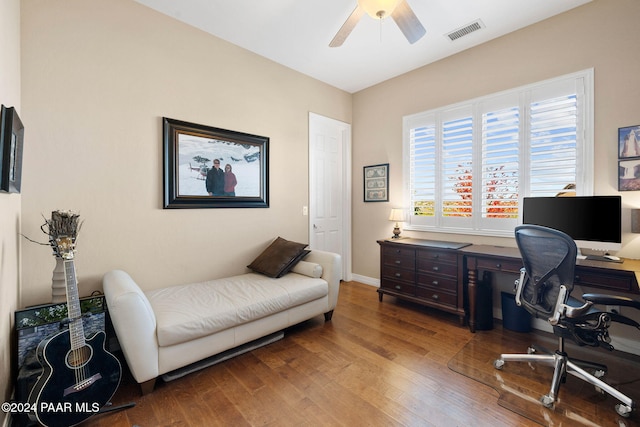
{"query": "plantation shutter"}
(468, 166)
(553, 146)
(422, 159)
(424, 170)
(500, 151)
(457, 166)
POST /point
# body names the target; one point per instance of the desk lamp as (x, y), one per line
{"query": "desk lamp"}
(396, 215)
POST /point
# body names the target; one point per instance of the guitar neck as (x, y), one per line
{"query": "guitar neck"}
(76, 329)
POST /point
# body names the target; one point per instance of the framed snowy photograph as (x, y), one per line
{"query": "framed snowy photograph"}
(208, 167)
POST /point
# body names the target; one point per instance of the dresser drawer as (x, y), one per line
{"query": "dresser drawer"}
(449, 285)
(438, 255)
(500, 265)
(437, 267)
(611, 280)
(436, 295)
(401, 287)
(398, 251)
(400, 261)
(395, 273)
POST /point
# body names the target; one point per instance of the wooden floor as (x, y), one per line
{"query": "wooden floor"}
(375, 364)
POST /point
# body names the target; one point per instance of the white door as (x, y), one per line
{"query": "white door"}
(330, 188)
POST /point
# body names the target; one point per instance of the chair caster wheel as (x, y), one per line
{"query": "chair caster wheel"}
(547, 401)
(599, 373)
(498, 364)
(623, 410)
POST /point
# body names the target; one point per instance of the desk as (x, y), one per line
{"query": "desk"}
(611, 276)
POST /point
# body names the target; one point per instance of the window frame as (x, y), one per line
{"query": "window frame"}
(583, 82)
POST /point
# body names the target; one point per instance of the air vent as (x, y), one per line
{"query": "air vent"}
(467, 29)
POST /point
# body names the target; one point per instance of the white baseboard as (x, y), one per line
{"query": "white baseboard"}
(624, 344)
(366, 280)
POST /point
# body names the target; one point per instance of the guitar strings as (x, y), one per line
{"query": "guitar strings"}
(76, 331)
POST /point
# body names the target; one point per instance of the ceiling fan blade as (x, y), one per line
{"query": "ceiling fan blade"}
(347, 27)
(408, 22)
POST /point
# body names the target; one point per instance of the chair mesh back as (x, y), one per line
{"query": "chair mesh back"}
(549, 258)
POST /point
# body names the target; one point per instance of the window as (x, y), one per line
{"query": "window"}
(468, 166)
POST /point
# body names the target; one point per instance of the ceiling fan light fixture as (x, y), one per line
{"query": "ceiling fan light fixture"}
(399, 11)
(378, 9)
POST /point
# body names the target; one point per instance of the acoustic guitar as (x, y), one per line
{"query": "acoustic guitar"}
(79, 375)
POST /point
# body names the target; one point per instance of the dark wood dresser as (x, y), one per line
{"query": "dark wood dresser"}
(427, 272)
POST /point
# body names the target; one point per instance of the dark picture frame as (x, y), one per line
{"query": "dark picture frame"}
(11, 148)
(376, 183)
(629, 142)
(629, 158)
(190, 180)
(629, 174)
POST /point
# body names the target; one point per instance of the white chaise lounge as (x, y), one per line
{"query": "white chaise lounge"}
(163, 330)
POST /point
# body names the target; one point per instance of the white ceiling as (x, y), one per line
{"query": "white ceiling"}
(296, 33)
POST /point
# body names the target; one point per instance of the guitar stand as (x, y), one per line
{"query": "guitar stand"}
(109, 407)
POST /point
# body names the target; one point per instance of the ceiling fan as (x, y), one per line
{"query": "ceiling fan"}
(399, 10)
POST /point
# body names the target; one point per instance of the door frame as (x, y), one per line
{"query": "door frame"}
(345, 130)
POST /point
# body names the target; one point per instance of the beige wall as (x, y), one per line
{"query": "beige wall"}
(600, 35)
(9, 203)
(98, 76)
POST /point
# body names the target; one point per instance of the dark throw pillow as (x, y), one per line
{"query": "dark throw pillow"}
(280, 257)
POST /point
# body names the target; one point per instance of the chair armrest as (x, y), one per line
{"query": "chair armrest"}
(134, 322)
(604, 299)
(331, 272)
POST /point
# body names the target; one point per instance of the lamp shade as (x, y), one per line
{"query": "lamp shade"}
(378, 9)
(396, 215)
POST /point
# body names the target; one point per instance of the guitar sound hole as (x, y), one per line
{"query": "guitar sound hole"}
(79, 357)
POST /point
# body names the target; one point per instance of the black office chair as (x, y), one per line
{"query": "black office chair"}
(544, 289)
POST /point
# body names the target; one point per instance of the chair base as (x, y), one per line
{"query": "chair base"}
(563, 365)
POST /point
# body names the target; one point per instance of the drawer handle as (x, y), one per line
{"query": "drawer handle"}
(398, 275)
(398, 262)
(435, 296)
(498, 265)
(436, 268)
(398, 251)
(435, 283)
(398, 287)
(436, 256)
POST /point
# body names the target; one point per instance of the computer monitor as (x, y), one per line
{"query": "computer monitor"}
(593, 222)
